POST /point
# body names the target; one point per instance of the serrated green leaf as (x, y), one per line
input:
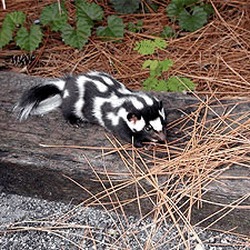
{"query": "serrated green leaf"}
(168, 32)
(208, 8)
(173, 11)
(10, 22)
(89, 11)
(29, 40)
(6, 32)
(135, 27)
(125, 6)
(76, 37)
(150, 83)
(166, 64)
(115, 28)
(16, 18)
(177, 6)
(160, 43)
(179, 84)
(146, 64)
(54, 16)
(193, 21)
(161, 86)
(5, 36)
(145, 47)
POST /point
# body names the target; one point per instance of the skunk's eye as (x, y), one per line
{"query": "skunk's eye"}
(148, 128)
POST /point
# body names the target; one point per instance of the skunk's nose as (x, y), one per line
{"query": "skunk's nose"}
(161, 135)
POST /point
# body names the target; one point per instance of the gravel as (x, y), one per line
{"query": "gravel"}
(29, 223)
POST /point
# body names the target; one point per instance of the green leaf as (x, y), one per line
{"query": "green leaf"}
(168, 32)
(150, 83)
(115, 28)
(51, 15)
(10, 22)
(76, 37)
(173, 10)
(160, 43)
(16, 18)
(135, 27)
(157, 67)
(29, 40)
(161, 86)
(148, 47)
(125, 6)
(145, 47)
(179, 84)
(88, 11)
(166, 64)
(154, 66)
(177, 6)
(193, 21)
(208, 8)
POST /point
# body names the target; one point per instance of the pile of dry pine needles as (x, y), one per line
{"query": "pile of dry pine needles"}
(216, 57)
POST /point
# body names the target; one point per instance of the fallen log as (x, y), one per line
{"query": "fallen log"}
(67, 173)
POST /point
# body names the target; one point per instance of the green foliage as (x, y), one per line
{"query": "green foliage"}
(90, 12)
(179, 84)
(168, 32)
(148, 47)
(29, 40)
(194, 20)
(190, 14)
(157, 67)
(114, 29)
(56, 17)
(125, 6)
(173, 84)
(53, 16)
(76, 37)
(10, 23)
(155, 81)
(135, 27)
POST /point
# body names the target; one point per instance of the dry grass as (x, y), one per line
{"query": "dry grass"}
(173, 184)
(217, 58)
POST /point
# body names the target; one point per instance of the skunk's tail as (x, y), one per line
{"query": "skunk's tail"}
(40, 99)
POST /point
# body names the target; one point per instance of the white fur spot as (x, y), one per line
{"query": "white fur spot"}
(65, 94)
(156, 124)
(60, 84)
(123, 90)
(162, 113)
(136, 126)
(137, 104)
(122, 114)
(100, 86)
(81, 80)
(98, 103)
(149, 101)
(107, 80)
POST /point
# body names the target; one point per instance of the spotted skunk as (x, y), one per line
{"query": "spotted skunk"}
(98, 98)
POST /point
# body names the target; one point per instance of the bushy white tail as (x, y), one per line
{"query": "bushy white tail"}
(40, 99)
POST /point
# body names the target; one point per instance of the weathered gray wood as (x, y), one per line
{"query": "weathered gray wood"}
(27, 168)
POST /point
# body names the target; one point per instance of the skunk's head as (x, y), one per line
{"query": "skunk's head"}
(148, 124)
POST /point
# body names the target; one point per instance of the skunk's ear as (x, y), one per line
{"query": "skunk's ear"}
(160, 105)
(133, 118)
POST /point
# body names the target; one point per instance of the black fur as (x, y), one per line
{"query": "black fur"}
(98, 98)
